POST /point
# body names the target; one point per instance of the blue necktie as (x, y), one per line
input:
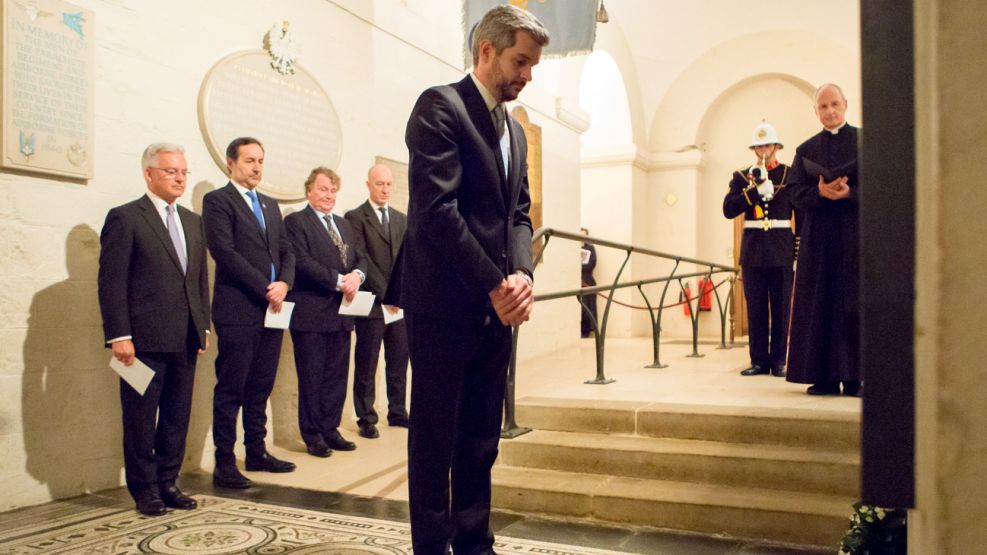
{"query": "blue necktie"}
(259, 214)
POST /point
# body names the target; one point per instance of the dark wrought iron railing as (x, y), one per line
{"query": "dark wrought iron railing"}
(542, 237)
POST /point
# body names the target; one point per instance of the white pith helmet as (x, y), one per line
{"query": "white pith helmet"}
(765, 134)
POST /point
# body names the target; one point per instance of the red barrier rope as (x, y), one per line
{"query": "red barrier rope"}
(680, 303)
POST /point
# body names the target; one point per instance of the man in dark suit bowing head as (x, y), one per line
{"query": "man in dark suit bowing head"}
(154, 298)
(330, 267)
(381, 229)
(464, 277)
(255, 268)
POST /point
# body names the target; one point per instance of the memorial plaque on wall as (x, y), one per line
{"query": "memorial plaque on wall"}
(291, 115)
(48, 75)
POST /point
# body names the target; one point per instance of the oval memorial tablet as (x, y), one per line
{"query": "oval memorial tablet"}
(242, 95)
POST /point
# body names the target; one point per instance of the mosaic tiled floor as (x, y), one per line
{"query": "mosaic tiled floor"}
(231, 526)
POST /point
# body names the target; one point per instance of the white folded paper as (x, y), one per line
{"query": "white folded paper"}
(138, 374)
(279, 320)
(584, 255)
(391, 318)
(361, 304)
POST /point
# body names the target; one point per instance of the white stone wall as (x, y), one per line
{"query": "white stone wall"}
(59, 408)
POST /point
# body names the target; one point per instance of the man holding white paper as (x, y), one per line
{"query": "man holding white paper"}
(380, 228)
(330, 267)
(254, 271)
(154, 299)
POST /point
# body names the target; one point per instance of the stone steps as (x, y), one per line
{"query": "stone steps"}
(817, 429)
(807, 519)
(732, 464)
(786, 475)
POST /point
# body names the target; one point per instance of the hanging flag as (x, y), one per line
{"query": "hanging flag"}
(571, 24)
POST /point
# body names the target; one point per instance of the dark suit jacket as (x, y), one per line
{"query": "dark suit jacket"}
(468, 224)
(380, 249)
(142, 292)
(319, 266)
(244, 254)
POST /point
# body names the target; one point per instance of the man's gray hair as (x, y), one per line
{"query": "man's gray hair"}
(150, 155)
(499, 25)
(824, 86)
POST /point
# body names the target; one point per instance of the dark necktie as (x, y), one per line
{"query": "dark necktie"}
(175, 239)
(500, 120)
(336, 240)
(386, 223)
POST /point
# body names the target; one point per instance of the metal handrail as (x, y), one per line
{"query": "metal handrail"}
(510, 428)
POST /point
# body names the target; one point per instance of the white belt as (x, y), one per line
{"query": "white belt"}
(767, 224)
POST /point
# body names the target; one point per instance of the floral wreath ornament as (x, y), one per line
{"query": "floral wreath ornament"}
(283, 47)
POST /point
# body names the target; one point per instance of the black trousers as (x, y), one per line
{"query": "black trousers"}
(370, 332)
(768, 290)
(246, 366)
(586, 321)
(155, 424)
(322, 361)
(458, 376)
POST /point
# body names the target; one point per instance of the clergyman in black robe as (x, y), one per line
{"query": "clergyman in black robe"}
(824, 339)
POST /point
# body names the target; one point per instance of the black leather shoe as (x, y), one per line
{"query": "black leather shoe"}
(825, 388)
(852, 388)
(755, 370)
(268, 463)
(319, 449)
(176, 499)
(778, 371)
(399, 421)
(150, 504)
(369, 431)
(339, 443)
(229, 476)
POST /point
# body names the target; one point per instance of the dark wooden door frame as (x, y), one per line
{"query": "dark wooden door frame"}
(887, 253)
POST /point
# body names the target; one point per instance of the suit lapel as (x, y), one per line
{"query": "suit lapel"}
(319, 227)
(240, 205)
(478, 113)
(370, 215)
(192, 237)
(514, 175)
(153, 220)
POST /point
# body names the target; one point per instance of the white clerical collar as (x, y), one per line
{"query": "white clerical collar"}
(488, 97)
(836, 130)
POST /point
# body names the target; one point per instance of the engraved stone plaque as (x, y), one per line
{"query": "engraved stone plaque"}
(48, 76)
(291, 115)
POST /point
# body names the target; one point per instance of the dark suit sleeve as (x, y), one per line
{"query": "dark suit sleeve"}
(116, 245)
(304, 264)
(287, 254)
(436, 170)
(736, 202)
(203, 276)
(217, 215)
(359, 250)
(521, 249)
(376, 281)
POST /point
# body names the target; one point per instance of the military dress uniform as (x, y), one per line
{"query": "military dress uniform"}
(767, 252)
